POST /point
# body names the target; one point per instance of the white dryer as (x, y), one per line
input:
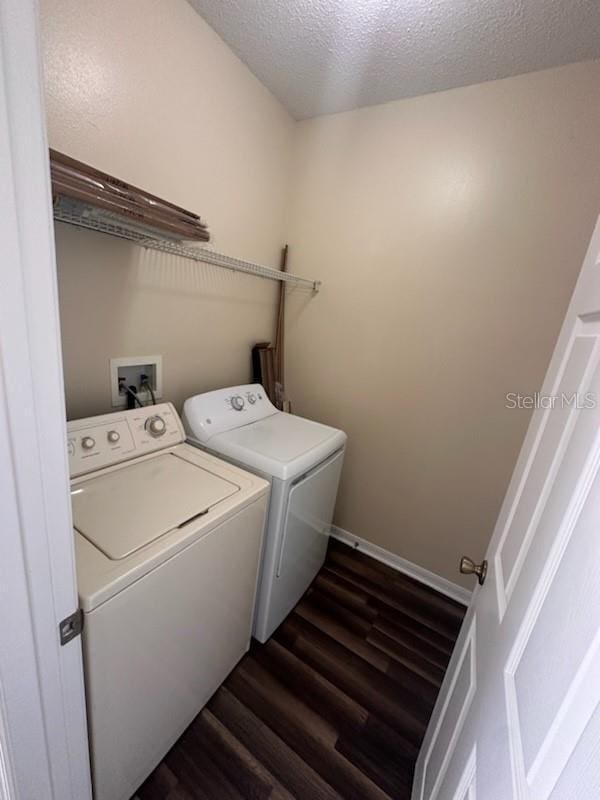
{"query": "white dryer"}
(303, 461)
(167, 542)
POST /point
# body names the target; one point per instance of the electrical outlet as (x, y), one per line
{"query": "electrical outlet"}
(129, 371)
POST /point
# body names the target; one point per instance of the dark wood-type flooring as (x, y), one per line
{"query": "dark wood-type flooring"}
(335, 705)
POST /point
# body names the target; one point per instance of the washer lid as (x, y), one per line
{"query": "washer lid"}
(121, 511)
(282, 445)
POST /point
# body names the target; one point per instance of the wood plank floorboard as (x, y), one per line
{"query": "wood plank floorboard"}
(334, 706)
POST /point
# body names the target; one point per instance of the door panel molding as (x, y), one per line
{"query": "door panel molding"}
(581, 776)
(7, 781)
(577, 709)
(466, 789)
(465, 676)
(574, 704)
(587, 342)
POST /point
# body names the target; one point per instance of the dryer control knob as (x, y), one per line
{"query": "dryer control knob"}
(113, 436)
(237, 402)
(88, 443)
(156, 426)
(252, 399)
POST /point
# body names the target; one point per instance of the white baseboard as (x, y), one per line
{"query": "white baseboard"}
(453, 590)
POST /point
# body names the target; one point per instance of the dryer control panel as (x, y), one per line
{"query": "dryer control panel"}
(102, 441)
(208, 414)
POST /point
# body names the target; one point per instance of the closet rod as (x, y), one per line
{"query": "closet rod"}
(88, 217)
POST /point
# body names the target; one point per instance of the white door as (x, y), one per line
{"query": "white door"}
(43, 739)
(518, 714)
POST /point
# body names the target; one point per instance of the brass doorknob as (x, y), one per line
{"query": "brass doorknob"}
(469, 567)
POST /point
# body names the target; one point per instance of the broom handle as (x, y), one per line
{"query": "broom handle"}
(279, 334)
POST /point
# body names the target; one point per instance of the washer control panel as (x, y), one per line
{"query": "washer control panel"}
(97, 442)
(155, 426)
(205, 415)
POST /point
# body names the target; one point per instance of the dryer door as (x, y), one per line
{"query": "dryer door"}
(306, 529)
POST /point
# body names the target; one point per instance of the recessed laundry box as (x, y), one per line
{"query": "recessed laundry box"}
(303, 461)
(167, 540)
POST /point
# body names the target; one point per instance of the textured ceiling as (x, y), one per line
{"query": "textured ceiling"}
(322, 56)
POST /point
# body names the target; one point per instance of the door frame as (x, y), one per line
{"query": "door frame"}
(43, 733)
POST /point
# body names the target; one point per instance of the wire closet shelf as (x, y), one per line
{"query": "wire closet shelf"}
(85, 216)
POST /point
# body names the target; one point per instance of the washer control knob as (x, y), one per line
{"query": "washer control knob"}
(113, 436)
(88, 443)
(251, 398)
(237, 402)
(156, 426)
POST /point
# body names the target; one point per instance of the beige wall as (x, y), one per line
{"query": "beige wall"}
(448, 231)
(148, 92)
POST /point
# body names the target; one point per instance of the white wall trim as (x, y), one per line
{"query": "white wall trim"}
(452, 590)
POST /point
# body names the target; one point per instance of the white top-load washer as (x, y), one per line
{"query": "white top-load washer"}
(167, 541)
(303, 461)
